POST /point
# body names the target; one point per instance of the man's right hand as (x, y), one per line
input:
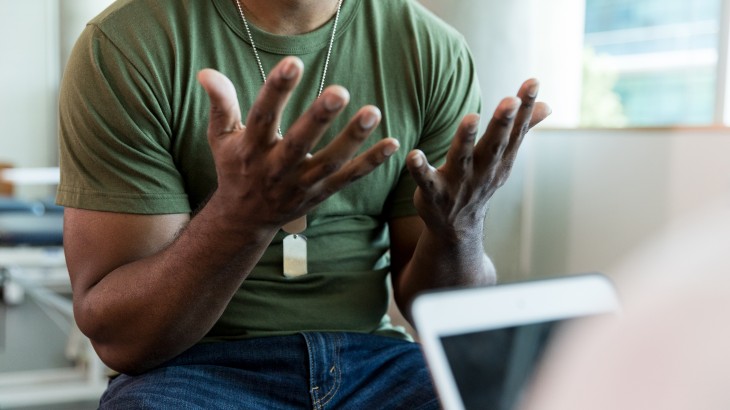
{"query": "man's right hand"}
(277, 177)
(148, 287)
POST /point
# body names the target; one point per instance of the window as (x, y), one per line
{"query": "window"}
(652, 62)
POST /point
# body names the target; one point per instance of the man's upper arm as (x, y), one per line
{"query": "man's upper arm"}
(98, 242)
(404, 234)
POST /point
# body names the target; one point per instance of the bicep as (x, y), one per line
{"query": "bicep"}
(96, 243)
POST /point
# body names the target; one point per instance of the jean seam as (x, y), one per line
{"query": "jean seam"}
(312, 389)
(338, 371)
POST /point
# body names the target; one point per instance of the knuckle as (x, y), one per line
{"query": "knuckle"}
(504, 122)
(320, 118)
(507, 168)
(358, 136)
(429, 184)
(262, 116)
(295, 147)
(466, 161)
(372, 160)
(330, 167)
(274, 177)
(325, 193)
(279, 84)
(498, 149)
(356, 174)
(441, 198)
(525, 128)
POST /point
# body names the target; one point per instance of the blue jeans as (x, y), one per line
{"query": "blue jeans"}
(304, 371)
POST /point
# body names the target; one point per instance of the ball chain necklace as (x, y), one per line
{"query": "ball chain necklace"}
(258, 59)
(294, 244)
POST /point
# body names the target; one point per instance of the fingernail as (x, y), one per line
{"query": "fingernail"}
(418, 161)
(532, 90)
(390, 149)
(473, 127)
(291, 69)
(333, 102)
(511, 112)
(368, 120)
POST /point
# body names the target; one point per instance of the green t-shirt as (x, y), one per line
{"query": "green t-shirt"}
(133, 137)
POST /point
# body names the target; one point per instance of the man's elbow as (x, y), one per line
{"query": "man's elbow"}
(124, 356)
(124, 360)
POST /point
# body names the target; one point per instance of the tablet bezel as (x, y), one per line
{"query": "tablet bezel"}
(457, 311)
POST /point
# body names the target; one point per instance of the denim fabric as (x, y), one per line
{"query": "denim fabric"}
(305, 371)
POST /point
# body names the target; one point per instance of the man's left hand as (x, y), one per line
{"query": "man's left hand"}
(452, 199)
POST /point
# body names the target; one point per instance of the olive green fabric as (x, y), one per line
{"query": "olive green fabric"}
(133, 137)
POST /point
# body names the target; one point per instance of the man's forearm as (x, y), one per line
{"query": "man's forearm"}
(149, 310)
(442, 261)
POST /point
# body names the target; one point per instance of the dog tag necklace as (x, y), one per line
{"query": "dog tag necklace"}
(295, 243)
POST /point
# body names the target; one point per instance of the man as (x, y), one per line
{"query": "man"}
(250, 269)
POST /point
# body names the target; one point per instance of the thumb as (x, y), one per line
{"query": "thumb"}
(225, 114)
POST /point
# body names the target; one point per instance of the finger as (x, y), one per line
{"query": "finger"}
(460, 157)
(358, 167)
(332, 157)
(540, 112)
(309, 128)
(264, 117)
(424, 174)
(490, 149)
(527, 94)
(225, 114)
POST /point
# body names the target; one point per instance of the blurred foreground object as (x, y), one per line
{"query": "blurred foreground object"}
(670, 350)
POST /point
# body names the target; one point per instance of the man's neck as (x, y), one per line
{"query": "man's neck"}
(289, 17)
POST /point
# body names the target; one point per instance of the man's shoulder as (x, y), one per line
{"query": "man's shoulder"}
(131, 11)
(150, 29)
(140, 18)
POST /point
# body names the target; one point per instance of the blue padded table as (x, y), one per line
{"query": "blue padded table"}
(32, 263)
(30, 223)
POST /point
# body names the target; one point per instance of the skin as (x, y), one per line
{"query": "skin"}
(289, 17)
(121, 265)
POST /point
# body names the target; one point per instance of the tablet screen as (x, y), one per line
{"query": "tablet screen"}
(491, 368)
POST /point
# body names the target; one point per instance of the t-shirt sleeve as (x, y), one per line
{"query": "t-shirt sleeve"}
(115, 134)
(457, 94)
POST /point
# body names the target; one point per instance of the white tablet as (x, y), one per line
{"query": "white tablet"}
(482, 344)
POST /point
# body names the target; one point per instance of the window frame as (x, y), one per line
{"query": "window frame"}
(721, 114)
(722, 89)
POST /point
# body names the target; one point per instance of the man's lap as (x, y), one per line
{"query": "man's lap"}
(310, 370)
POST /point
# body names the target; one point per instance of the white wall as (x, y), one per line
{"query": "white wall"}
(596, 196)
(578, 200)
(512, 41)
(29, 76)
(35, 39)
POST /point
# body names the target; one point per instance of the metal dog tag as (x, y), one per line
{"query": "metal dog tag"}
(295, 255)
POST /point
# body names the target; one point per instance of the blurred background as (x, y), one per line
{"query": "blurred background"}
(638, 138)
